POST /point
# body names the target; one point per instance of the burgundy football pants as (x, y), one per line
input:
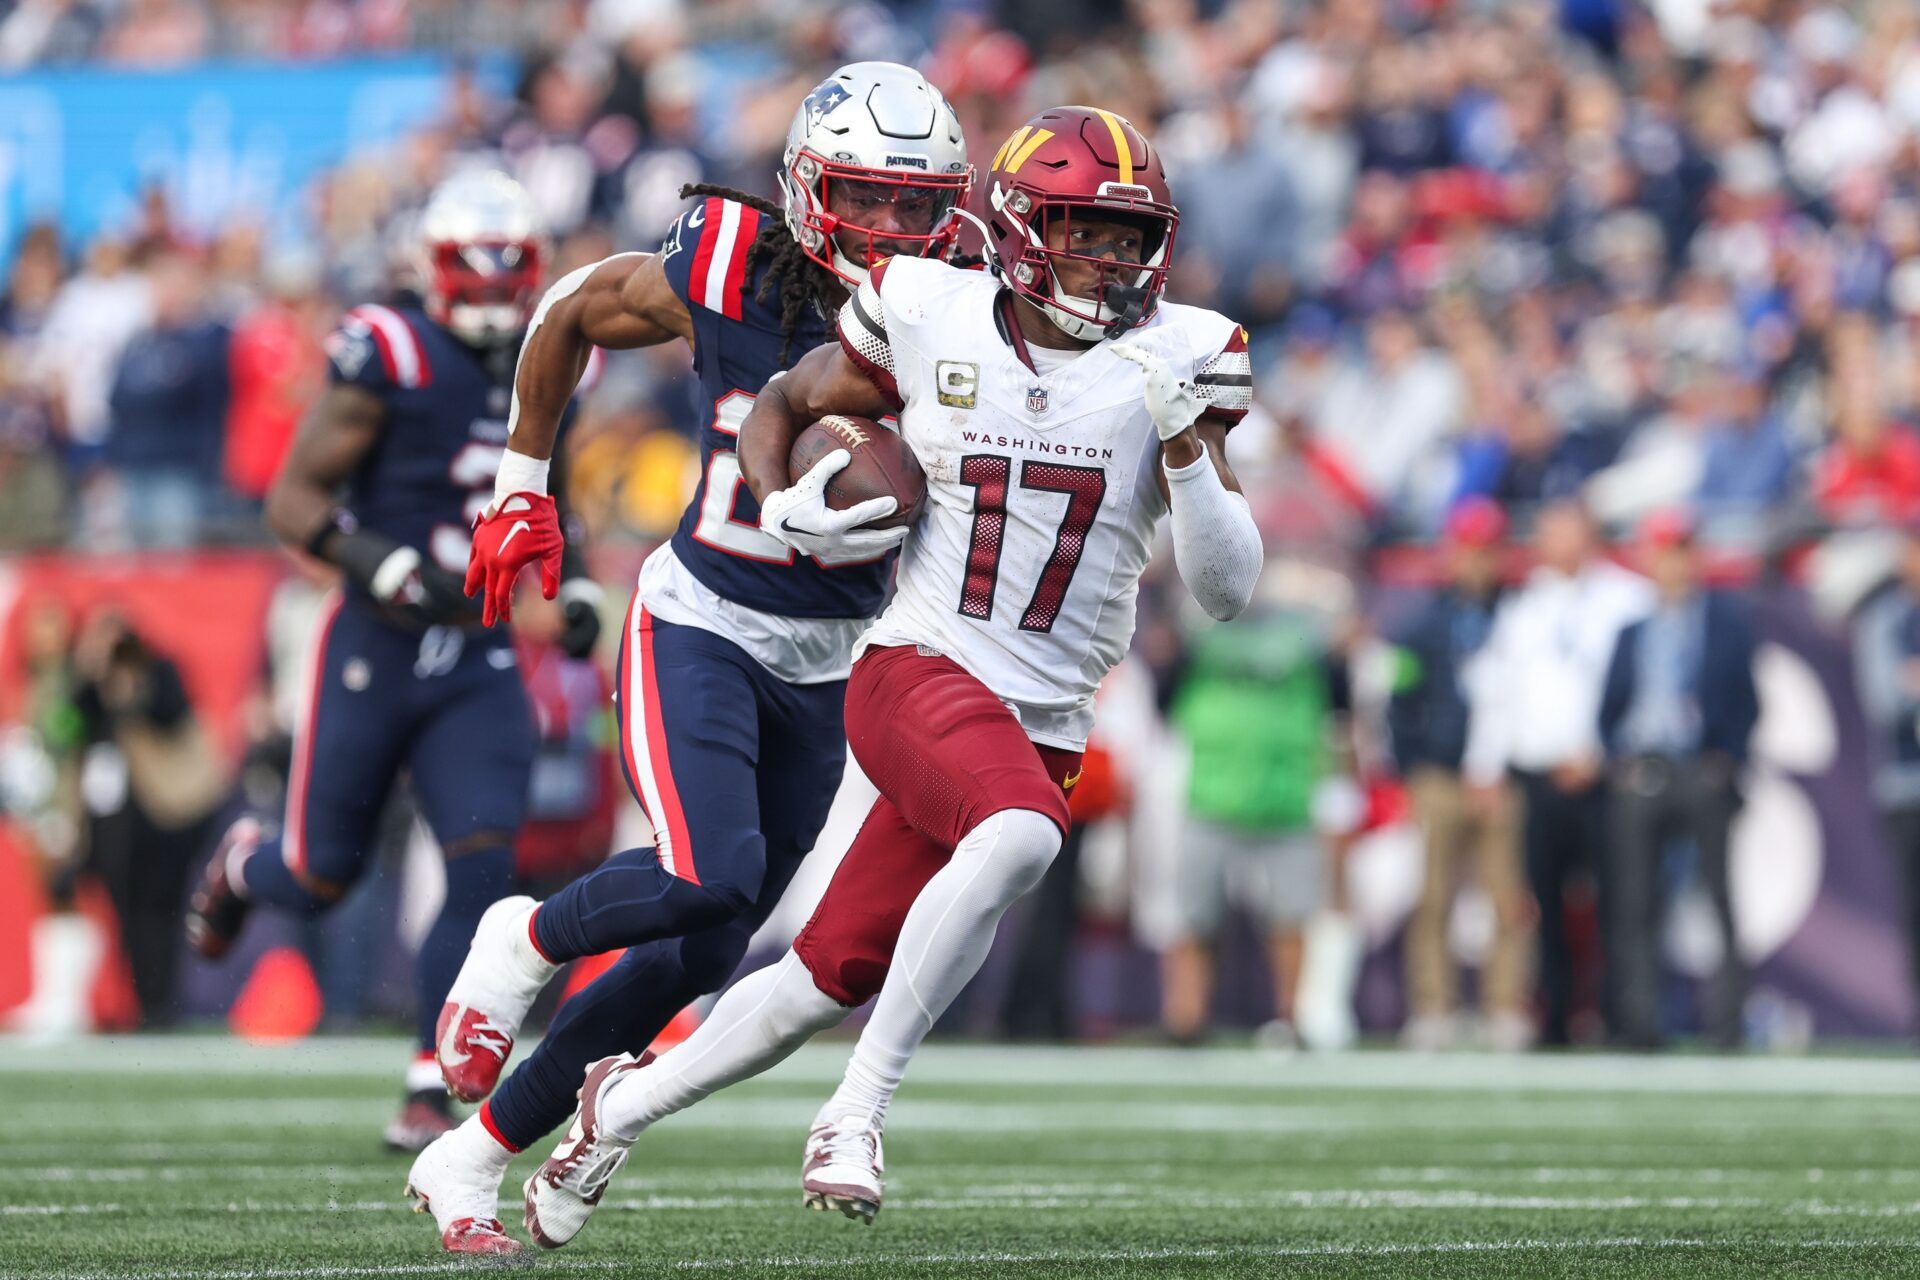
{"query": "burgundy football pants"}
(946, 755)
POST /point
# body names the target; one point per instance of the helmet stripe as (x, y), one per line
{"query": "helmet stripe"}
(1027, 148)
(1119, 143)
(1012, 142)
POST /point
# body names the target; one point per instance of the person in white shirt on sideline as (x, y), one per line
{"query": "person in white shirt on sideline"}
(1534, 699)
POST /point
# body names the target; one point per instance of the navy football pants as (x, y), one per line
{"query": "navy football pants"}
(447, 707)
(737, 769)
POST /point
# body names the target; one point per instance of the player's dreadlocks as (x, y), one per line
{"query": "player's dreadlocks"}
(803, 282)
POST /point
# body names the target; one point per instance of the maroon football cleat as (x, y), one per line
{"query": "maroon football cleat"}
(844, 1167)
(562, 1193)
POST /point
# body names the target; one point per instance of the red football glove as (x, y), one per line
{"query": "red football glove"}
(526, 528)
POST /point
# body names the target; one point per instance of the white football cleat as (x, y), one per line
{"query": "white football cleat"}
(498, 982)
(464, 1202)
(562, 1193)
(844, 1167)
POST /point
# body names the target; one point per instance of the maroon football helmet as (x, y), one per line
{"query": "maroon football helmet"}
(1086, 162)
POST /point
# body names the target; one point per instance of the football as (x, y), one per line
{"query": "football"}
(882, 466)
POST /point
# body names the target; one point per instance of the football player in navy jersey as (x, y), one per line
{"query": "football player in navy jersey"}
(384, 479)
(734, 660)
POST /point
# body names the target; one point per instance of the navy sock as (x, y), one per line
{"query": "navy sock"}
(475, 881)
(628, 900)
(621, 1011)
(269, 882)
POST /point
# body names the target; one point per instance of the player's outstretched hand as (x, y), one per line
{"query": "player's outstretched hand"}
(1169, 399)
(523, 529)
(799, 516)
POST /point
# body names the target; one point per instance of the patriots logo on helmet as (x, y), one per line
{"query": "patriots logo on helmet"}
(823, 99)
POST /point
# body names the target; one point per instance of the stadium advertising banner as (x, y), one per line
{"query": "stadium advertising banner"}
(226, 141)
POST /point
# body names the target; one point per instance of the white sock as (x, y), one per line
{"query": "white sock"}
(942, 945)
(760, 1020)
(423, 1073)
(480, 1150)
(526, 956)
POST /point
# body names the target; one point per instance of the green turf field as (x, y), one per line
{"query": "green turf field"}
(200, 1157)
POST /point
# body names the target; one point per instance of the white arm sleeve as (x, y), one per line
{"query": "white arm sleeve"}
(1216, 545)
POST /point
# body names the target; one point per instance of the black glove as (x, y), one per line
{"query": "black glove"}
(580, 602)
(443, 599)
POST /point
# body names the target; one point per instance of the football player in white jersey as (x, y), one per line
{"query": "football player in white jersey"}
(1059, 409)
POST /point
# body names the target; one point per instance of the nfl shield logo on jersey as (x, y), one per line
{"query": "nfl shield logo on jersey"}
(1036, 399)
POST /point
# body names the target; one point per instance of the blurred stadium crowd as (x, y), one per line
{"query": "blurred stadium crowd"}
(1663, 260)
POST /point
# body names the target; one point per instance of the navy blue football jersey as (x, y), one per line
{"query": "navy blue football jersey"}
(432, 469)
(737, 339)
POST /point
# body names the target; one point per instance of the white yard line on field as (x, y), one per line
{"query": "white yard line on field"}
(1561, 1174)
(208, 1149)
(1364, 1200)
(922, 1114)
(967, 1260)
(977, 1065)
(935, 1114)
(196, 1173)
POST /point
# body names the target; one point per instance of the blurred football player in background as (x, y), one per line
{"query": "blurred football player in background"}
(1059, 409)
(384, 479)
(733, 664)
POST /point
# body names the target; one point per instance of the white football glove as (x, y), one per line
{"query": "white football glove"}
(798, 516)
(1169, 399)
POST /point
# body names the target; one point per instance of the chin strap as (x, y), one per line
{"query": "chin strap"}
(988, 254)
(1128, 302)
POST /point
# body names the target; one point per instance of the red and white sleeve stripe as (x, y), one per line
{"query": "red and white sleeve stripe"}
(1225, 382)
(719, 271)
(863, 335)
(400, 351)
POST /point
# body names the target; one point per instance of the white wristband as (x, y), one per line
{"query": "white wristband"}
(519, 474)
(1200, 466)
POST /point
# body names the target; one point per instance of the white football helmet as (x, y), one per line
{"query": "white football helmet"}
(480, 256)
(874, 150)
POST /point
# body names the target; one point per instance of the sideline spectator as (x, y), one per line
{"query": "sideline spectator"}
(1534, 696)
(1258, 704)
(151, 808)
(1679, 710)
(1465, 827)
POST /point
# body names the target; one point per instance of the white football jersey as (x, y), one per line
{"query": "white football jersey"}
(1041, 494)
